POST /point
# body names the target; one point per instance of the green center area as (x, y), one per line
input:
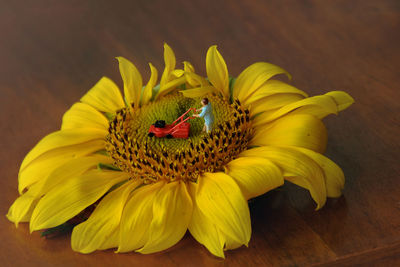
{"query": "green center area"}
(154, 158)
(170, 108)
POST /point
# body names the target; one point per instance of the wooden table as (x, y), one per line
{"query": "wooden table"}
(52, 52)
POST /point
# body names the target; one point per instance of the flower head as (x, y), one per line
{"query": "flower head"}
(144, 192)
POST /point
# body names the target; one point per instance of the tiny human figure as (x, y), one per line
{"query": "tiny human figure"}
(207, 114)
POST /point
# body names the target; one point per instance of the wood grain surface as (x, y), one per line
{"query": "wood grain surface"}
(52, 52)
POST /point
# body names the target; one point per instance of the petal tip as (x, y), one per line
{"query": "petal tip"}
(119, 58)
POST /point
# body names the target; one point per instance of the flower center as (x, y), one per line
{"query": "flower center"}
(153, 158)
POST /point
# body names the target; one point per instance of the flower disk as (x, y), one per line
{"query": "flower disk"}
(118, 184)
(155, 159)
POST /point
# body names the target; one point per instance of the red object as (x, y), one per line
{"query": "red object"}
(178, 129)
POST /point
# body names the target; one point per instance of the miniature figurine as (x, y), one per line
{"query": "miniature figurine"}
(180, 128)
(207, 114)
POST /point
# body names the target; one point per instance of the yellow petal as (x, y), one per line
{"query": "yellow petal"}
(318, 106)
(196, 80)
(273, 87)
(40, 168)
(206, 233)
(91, 234)
(221, 201)
(177, 73)
(334, 177)
(171, 78)
(112, 241)
(293, 130)
(203, 229)
(136, 218)
(63, 138)
(132, 81)
(47, 178)
(197, 92)
(104, 96)
(170, 61)
(70, 169)
(297, 168)
(172, 212)
(193, 79)
(148, 90)
(254, 175)
(71, 197)
(217, 71)
(253, 77)
(82, 115)
(188, 67)
(343, 100)
(170, 87)
(231, 243)
(273, 103)
(22, 208)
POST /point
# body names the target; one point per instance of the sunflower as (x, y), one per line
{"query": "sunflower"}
(142, 193)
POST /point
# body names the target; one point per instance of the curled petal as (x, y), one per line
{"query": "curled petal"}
(273, 87)
(334, 177)
(104, 96)
(71, 197)
(188, 67)
(297, 167)
(170, 86)
(82, 115)
(231, 243)
(203, 229)
(148, 90)
(136, 218)
(293, 130)
(39, 168)
(63, 138)
(170, 78)
(318, 106)
(217, 71)
(70, 169)
(43, 178)
(198, 92)
(221, 201)
(132, 81)
(22, 208)
(343, 100)
(254, 175)
(195, 80)
(270, 104)
(172, 212)
(253, 77)
(177, 73)
(170, 61)
(103, 222)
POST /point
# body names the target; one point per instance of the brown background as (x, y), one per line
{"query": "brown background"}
(52, 52)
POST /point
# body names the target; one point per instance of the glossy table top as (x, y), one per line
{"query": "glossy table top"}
(52, 52)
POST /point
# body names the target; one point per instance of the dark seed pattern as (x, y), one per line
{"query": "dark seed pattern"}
(134, 154)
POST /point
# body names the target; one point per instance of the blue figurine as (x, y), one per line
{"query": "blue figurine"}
(207, 114)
